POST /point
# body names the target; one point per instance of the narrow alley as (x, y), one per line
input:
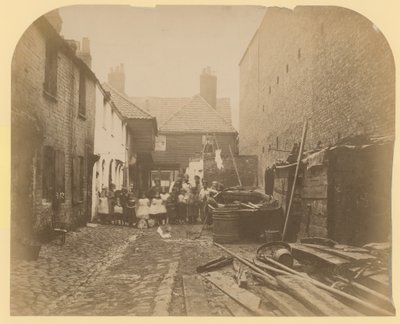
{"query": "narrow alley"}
(202, 161)
(115, 271)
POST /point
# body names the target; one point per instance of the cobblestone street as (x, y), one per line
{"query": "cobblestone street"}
(113, 270)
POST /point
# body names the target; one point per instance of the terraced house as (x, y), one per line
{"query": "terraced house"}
(53, 113)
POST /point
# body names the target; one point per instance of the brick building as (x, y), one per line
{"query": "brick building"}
(334, 67)
(327, 63)
(52, 132)
(185, 125)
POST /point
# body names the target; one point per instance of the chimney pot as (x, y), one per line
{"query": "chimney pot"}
(116, 78)
(208, 86)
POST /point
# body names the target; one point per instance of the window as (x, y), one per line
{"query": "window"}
(269, 90)
(209, 143)
(166, 178)
(53, 177)
(161, 143)
(287, 68)
(77, 179)
(50, 70)
(299, 53)
(277, 80)
(82, 93)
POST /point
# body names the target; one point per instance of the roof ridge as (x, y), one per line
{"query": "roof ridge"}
(216, 112)
(208, 107)
(123, 96)
(173, 115)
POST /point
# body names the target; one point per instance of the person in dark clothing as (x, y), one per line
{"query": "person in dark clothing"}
(269, 178)
(131, 209)
(292, 158)
(154, 190)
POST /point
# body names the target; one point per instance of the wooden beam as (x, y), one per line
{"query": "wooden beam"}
(315, 299)
(367, 307)
(195, 296)
(303, 139)
(242, 296)
(288, 305)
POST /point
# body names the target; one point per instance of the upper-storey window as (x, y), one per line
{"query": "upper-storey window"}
(82, 93)
(161, 143)
(50, 76)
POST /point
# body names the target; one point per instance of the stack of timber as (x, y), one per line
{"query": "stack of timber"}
(330, 289)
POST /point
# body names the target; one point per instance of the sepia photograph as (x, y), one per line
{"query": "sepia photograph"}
(202, 160)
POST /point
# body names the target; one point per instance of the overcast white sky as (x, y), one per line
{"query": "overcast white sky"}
(164, 49)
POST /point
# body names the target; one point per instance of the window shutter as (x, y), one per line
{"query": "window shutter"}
(48, 173)
(77, 179)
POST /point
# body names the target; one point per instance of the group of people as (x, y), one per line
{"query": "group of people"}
(116, 206)
(181, 203)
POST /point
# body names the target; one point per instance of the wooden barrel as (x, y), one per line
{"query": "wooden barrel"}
(272, 236)
(225, 225)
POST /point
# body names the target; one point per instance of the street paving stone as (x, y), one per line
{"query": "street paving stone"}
(113, 270)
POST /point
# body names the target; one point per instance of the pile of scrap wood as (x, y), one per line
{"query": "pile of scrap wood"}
(324, 281)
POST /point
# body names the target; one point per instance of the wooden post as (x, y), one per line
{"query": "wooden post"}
(303, 139)
(235, 166)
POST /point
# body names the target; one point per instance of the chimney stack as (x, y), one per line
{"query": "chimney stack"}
(116, 78)
(54, 18)
(208, 86)
(73, 44)
(84, 52)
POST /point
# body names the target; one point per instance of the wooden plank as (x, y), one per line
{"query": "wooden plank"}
(244, 297)
(315, 299)
(195, 296)
(235, 308)
(352, 256)
(285, 303)
(301, 251)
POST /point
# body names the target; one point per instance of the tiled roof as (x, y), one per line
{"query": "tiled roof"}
(161, 108)
(197, 116)
(124, 105)
(224, 109)
(164, 108)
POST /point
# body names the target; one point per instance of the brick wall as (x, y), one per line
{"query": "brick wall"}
(327, 63)
(57, 123)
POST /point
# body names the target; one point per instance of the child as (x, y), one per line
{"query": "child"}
(130, 210)
(103, 209)
(192, 206)
(143, 211)
(182, 207)
(118, 210)
(164, 196)
(157, 209)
